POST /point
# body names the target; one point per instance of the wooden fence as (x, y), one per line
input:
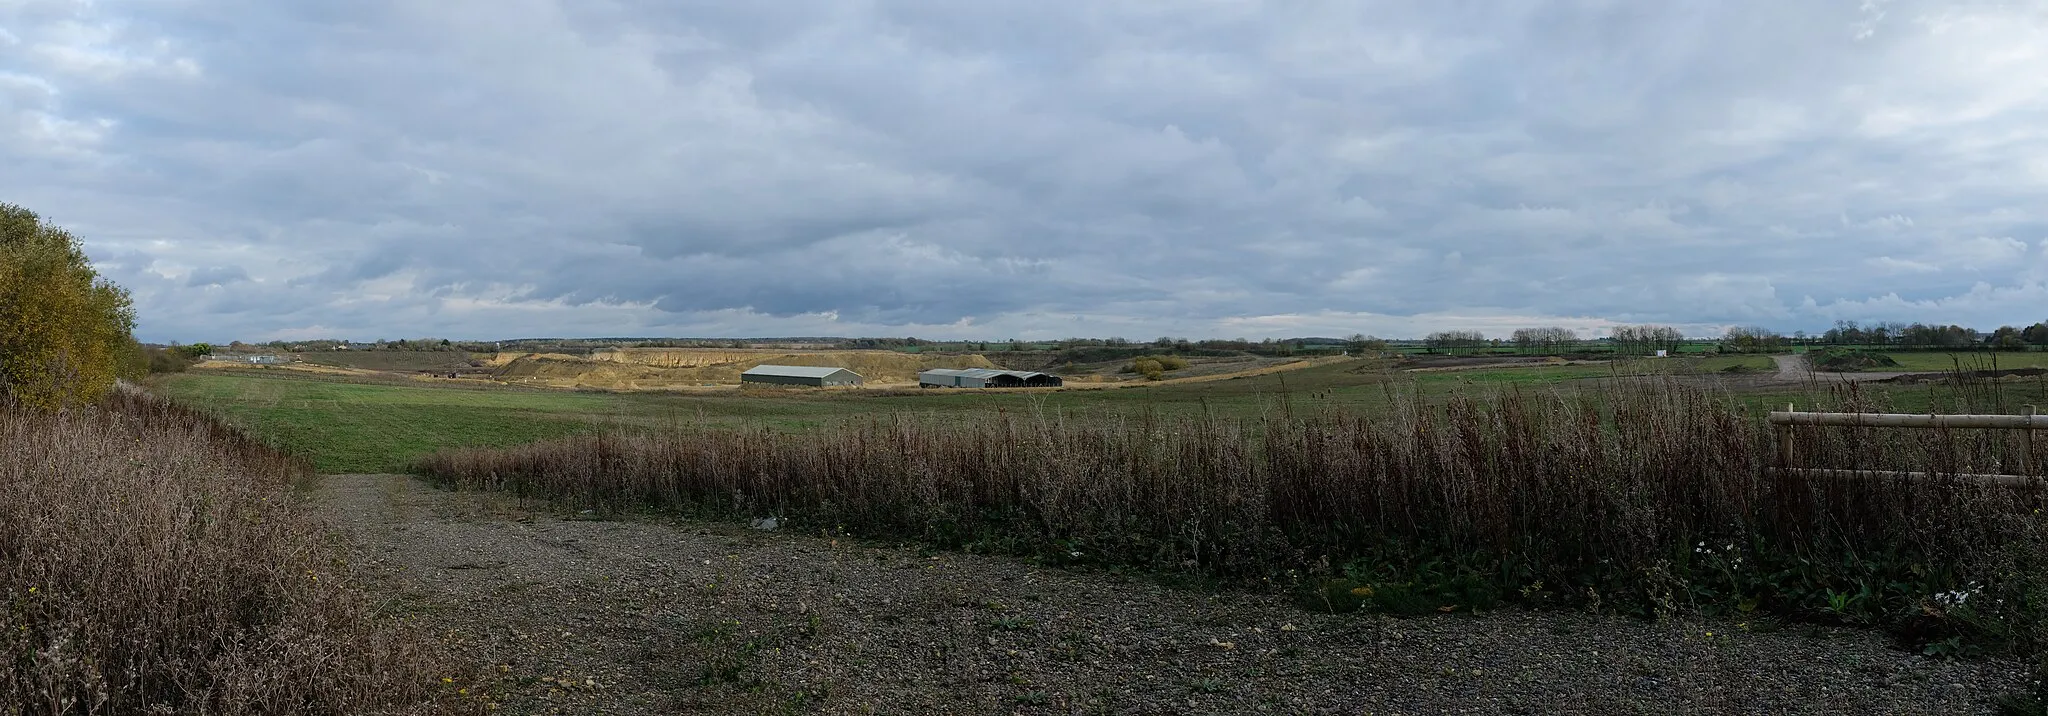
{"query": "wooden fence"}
(2026, 422)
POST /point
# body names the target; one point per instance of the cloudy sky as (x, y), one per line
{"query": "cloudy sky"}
(258, 170)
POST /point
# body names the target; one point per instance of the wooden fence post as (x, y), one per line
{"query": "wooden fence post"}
(1785, 442)
(2027, 443)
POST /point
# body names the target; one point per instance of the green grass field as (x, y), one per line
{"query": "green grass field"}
(348, 427)
(402, 361)
(357, 424)
(374, 424)
(378, 426)
(1922, 361)
(371, 424)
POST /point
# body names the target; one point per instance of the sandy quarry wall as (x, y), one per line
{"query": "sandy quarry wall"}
(683, 357)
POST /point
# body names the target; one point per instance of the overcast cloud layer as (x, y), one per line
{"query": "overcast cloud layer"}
(256, 169)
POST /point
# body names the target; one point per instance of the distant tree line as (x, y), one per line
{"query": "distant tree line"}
(1752, 339)
(1550, 340)
(1546, 340)
(1645, 340)
(1455, 341)
(1921, 335)
(883, 343)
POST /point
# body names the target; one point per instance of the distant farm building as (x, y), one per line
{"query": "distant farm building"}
(986, 378)
(800, 375)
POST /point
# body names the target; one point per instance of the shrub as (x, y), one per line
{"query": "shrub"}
(1845, 360)
(168, 360)
(1148, 367)
(1154, 367)
(153, 562)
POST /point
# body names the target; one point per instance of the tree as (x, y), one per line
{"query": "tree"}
(1845, 333)
(64, 330)
(1454, 341)
(1645, 340)
(2006, 338)
(1751, 339)
(2036, 334)
(1886, 333)
(1362, 343)
(1550, 341)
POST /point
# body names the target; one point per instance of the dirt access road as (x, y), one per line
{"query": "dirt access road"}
(640, 616)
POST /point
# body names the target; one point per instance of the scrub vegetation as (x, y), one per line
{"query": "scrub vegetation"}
(1649, 498)
(154, 562)
(152, 559)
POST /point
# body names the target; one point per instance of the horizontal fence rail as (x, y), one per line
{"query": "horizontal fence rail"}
(2005, 480)
(2026, 422)
(1907, 420)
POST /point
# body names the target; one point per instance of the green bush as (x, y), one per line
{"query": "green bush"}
(1154, 367)
(1148, 367)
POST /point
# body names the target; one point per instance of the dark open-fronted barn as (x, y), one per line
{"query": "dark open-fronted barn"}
(986, 378)
(800, 375)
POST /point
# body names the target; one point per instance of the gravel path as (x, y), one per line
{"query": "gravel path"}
(652, 617)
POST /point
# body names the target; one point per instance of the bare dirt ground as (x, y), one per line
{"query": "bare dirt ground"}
(1793, 372)
(1496, 365)
(655, 617)
(1795, 369)
(1428, 363)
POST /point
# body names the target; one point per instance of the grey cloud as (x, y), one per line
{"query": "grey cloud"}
(537, 167)
(216, 276)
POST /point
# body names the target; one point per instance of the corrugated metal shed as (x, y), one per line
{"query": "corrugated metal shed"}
(986, 378)
(800, 375)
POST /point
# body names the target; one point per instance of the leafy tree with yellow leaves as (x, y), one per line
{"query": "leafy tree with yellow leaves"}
(65, 332)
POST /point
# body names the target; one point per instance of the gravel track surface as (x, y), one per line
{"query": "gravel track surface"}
(645, 616)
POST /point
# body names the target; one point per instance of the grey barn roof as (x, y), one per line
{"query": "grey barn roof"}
(794, 371)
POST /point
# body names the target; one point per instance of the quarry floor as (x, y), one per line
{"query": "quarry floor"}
(573, 615)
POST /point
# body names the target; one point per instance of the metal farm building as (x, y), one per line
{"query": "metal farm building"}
(800, 375)
(986, 378)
